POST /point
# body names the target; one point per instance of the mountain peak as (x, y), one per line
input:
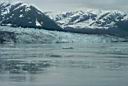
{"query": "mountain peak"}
(19, 14)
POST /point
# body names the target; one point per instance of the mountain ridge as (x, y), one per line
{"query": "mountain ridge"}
(93, 21)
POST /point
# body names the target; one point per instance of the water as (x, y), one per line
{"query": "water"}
(64, 64)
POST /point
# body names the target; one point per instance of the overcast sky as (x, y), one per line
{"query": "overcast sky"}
(61, 5)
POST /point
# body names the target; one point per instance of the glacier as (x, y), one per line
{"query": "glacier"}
(31, 35)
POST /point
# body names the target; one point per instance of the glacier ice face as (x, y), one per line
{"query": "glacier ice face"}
(32, 35)
(36, 36)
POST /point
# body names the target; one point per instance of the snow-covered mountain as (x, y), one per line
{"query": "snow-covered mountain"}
(93, 21)
(23, 15)
(89, 21)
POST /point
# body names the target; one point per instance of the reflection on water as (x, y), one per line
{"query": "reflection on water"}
(17, 66)
(66, 64)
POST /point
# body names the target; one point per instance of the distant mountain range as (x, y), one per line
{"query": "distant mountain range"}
(87, 22)
(93, 21)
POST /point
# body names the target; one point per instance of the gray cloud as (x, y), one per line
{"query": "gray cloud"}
(76, 4)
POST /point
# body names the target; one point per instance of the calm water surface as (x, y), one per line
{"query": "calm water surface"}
(64, 64)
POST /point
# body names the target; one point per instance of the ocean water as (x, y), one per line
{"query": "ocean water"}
(64, 64)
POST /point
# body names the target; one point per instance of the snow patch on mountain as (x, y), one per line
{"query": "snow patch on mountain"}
(37, 23)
